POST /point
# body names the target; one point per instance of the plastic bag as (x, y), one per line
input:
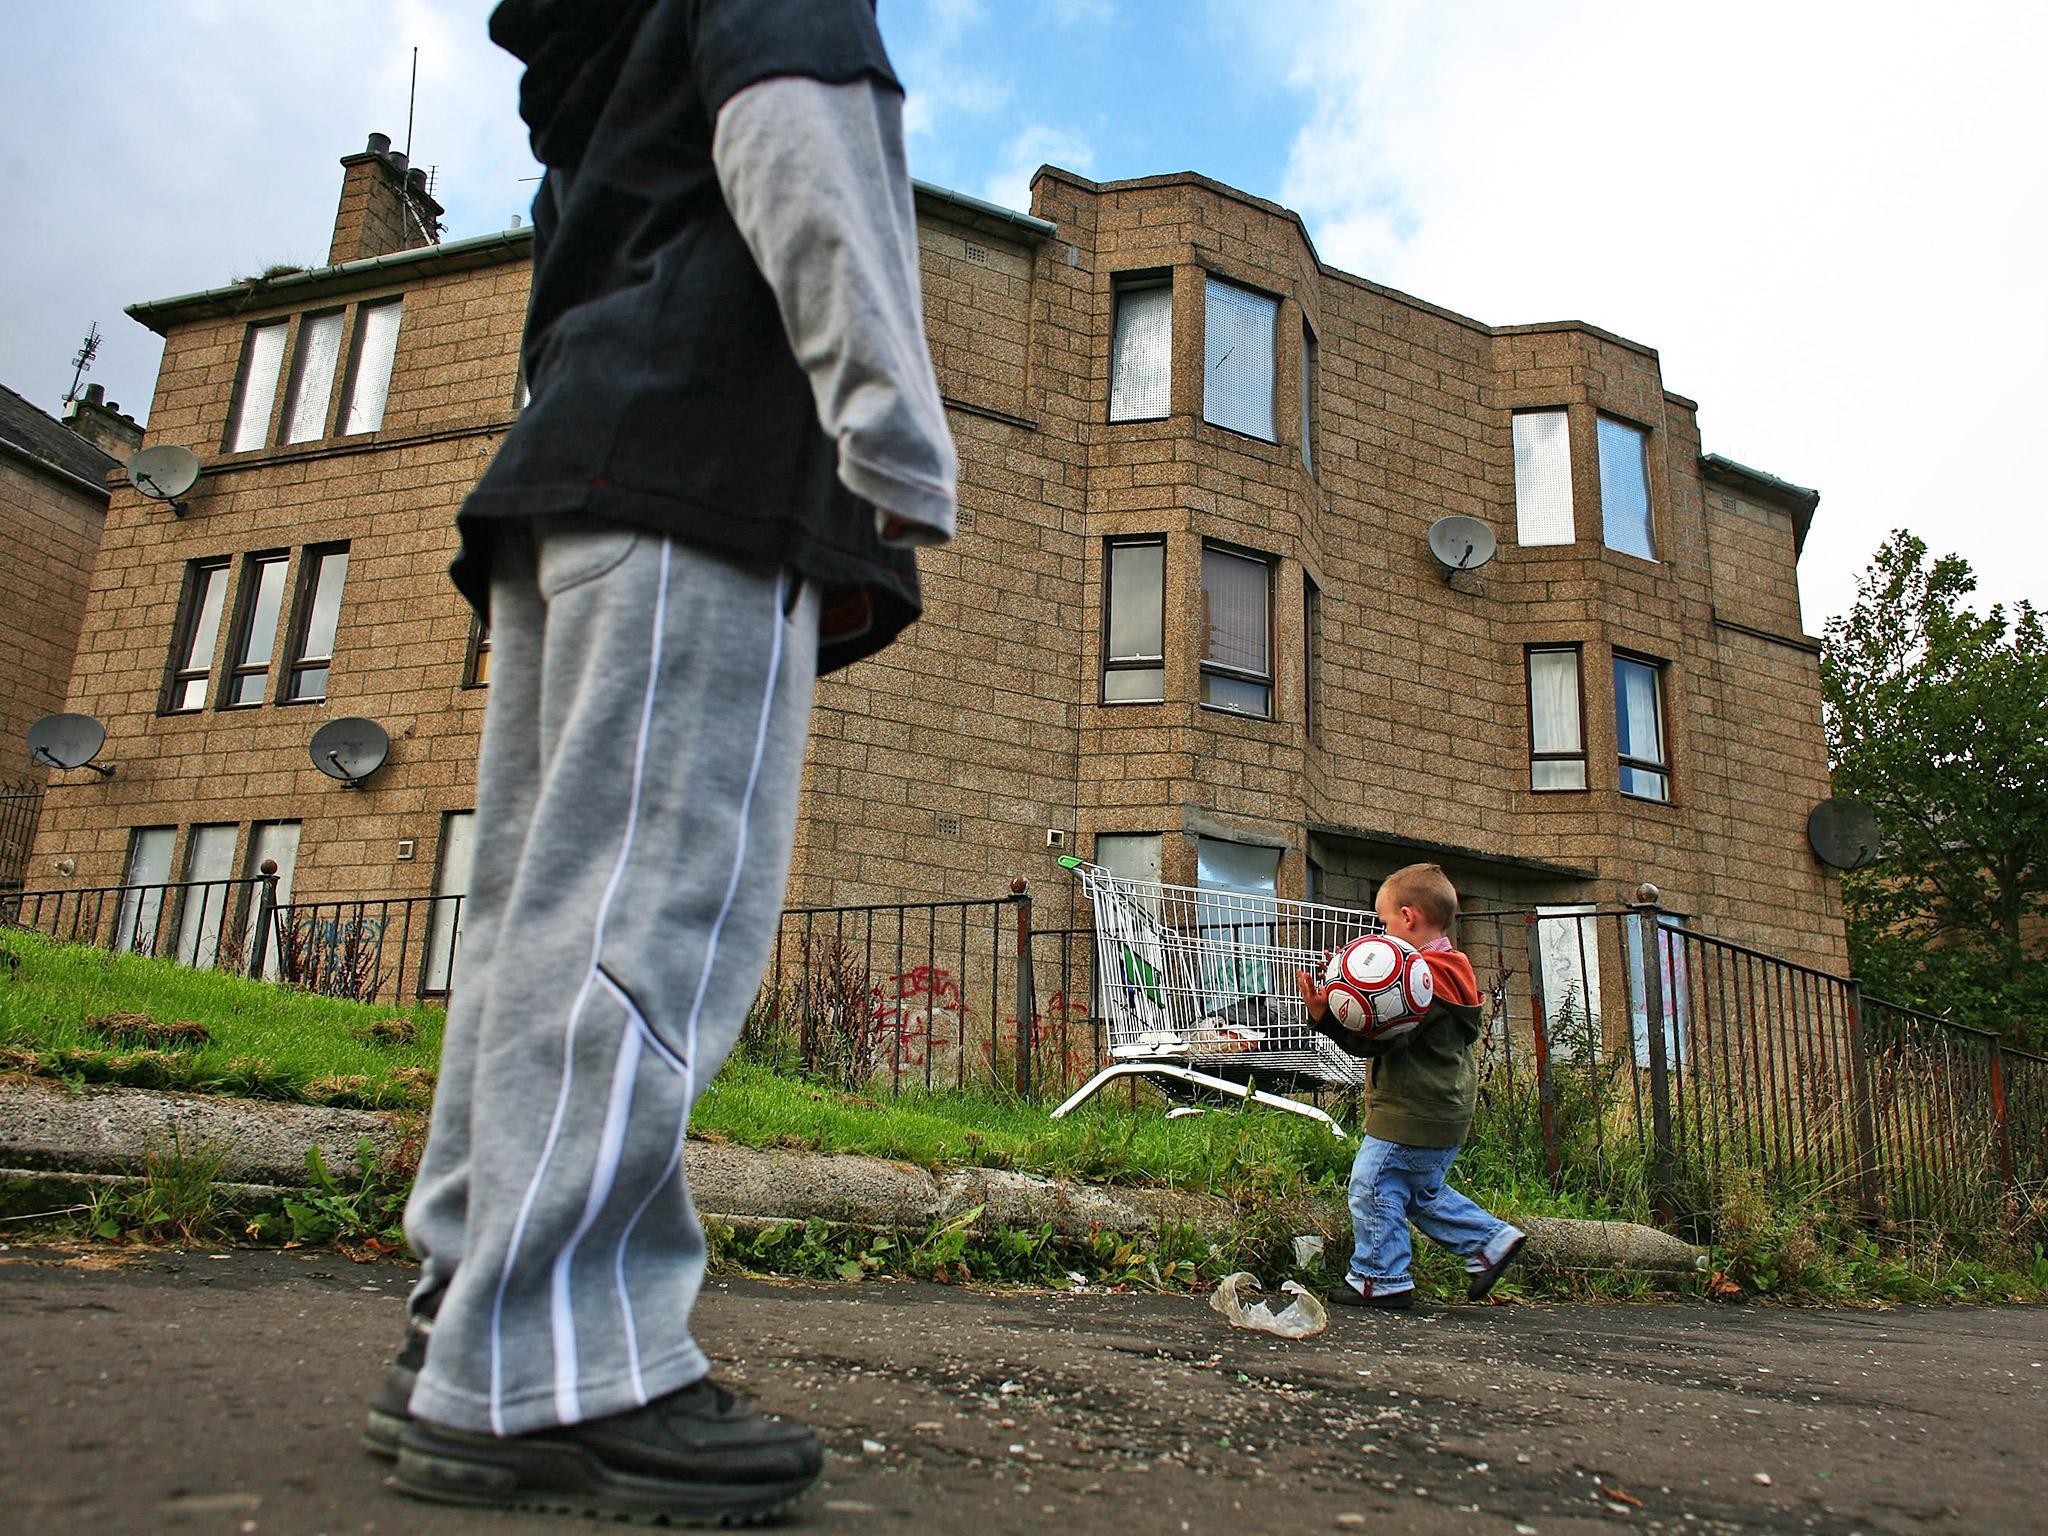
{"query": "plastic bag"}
(1302, 1318)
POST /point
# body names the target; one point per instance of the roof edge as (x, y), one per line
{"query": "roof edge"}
(1797, 500)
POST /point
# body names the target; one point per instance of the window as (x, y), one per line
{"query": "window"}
(1141, 351)
(1234, 912)
(1568, 948)
(1625, 488)
(198, 629)
(209, 858)
(1237, 360)
(1237, 608)
(255, 630)
(277, 841)
(256, 387)
(1639, 728)
(1674, 989)
(476, 669)
(369, 368)
(142, 904)
(1134, 646)
(1543, 479)
(321, 574)
(1130, 855)
(451, 885)
(312, 385)
(1308, 397)
(1311, 655)
(1557, 719)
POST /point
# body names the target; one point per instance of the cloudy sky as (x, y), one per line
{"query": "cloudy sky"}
(1827, 218)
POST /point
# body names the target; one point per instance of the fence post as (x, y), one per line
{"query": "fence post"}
(1649, 916)
(266, 915)
(1020, 893)
(1539, 1036)
(1998, 1119)
(1864, 1116)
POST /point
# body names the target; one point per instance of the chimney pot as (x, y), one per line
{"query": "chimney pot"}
(398, 160)
(380, 143)
(416, 180)
(95, 393)
(113, 407)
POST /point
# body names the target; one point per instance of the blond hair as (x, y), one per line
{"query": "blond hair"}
(1426, 888)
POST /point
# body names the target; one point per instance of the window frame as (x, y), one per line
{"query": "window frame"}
(1129, 663)
(1577, 653)
(1210, 282)
(476, 667)
(1121, 285)
(1311, 395)
(1601, 420)
(248, 593)
(352, 380)
(233, 431)
(185, 632)
(1658, 672)
(1207, 668)
(1571, 507)
(305, 589)
(1311, 657)
(295, 376)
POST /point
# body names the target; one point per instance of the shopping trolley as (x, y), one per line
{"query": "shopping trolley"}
(1196, 989)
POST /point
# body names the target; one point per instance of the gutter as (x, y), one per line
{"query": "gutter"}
(1797, 500)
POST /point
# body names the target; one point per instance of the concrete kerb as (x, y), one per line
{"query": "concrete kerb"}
(91, 1137)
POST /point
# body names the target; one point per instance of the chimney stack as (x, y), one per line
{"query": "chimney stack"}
(385, 205)
(99, 421)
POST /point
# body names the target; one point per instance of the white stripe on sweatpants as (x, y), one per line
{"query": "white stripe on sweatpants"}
(732, 885)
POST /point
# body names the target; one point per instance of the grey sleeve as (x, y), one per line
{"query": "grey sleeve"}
(816, 180)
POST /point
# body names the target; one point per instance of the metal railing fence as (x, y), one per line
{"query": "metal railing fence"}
(20, 810)
(1622, 1049)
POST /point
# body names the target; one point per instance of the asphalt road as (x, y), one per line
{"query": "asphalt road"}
(194, 1392)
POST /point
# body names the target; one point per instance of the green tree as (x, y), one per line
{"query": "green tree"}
(1937, 717)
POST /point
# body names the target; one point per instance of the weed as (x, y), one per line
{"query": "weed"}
(360, 1218)
(176, 1198)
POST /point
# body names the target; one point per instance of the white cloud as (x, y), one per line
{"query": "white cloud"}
(199, 144)
(1039, 144)
(1828, 230)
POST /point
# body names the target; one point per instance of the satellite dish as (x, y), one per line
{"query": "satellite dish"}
(1460, 544)
(350, 750)
(1844, 833)
(165, 473)
(69, 741)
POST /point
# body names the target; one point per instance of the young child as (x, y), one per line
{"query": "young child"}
(1422, 1099)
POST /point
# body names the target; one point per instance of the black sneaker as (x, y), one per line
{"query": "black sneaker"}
(390, 1409)
(1482, 1281)
(698, 1456)
(1345, 1294)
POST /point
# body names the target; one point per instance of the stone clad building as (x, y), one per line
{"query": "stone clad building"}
(1191, 623)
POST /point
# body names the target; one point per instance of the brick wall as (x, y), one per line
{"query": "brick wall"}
(51, 533)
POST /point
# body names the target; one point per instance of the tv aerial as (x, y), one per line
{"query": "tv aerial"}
(1460, 544)
(69, 741)
(165, 473)
(350, 749)
(1844, 833)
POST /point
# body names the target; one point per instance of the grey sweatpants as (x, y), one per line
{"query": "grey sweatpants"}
(636, 803)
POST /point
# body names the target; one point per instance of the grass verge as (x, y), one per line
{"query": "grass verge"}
(87, 1016)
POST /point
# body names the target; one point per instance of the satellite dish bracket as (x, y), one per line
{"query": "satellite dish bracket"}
(1452, 570)
(341, 773)
(104, 770)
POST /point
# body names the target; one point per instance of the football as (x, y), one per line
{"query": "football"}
(1379, 987)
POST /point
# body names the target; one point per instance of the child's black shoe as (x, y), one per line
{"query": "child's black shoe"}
(1481, 1281)
(1347, 1294)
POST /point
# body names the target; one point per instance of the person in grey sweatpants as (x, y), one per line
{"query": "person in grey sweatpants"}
(638, 786)
(733, 445)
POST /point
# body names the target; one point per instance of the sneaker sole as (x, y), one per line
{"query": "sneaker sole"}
(380, 1434)
(564, 1480)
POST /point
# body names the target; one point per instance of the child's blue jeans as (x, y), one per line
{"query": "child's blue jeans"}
(1392, 1185)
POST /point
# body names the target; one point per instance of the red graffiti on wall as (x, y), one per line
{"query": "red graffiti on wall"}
(919, 1009)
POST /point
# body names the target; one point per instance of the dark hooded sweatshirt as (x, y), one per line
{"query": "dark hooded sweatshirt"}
(665, 394)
